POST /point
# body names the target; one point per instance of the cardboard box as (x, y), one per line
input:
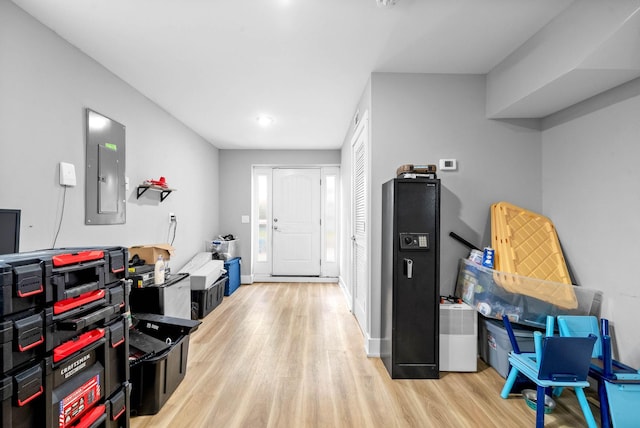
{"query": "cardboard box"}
(149, 253)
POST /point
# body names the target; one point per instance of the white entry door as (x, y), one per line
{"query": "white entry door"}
(296, 222)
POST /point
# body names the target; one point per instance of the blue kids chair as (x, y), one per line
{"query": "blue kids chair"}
(556, 362)
(618, 384)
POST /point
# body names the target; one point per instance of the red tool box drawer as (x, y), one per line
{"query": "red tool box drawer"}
(75, 384)
(113, 413)
(96, 313)
(116, 260)
(111, 350)
(71, 281)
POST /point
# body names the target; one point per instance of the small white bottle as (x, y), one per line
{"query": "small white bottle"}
(158, 275)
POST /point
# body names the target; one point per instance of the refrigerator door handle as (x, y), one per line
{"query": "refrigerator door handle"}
(408, 268)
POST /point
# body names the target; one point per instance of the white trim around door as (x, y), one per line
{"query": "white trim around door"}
(263, 222)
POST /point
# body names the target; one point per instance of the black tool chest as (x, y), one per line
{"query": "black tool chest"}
(64, 338)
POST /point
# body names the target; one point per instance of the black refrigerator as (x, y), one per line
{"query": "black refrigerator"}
(410, 278)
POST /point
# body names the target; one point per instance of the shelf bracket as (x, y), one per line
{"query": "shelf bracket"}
(163, 192)
(141, 191)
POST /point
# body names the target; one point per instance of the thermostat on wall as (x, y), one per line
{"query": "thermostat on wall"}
(448, 165)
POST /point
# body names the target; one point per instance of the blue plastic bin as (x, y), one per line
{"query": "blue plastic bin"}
(233, 272)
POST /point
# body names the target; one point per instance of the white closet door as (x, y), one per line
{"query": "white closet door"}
(360, 278)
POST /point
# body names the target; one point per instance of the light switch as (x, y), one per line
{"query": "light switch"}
(245, 219)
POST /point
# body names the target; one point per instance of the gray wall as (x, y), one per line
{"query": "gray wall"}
(235, 188)
(591, 183)
(45, 85)
(421, 118)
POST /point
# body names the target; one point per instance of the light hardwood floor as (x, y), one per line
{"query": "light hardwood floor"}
(292, 355)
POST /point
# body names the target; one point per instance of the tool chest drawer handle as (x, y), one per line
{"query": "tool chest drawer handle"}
(30, 346)
(79, 290)
(70, 347)
(74, 258)
(118, 343)
(115, 417)
(30, 293)
(37, 394)
(82, 322)
(93, 418)
(118, 405)
(74, 302)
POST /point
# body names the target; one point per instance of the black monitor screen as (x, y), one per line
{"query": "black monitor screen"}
(9, 231)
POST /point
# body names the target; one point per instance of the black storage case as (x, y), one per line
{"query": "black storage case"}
(157, 370)
(205, 301)
(24, 282)
(64, 334)
(22, 339)
(22, 398)
(118, 408)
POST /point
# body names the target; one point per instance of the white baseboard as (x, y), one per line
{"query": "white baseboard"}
(246, 279)
(372, 346)
(347, 294)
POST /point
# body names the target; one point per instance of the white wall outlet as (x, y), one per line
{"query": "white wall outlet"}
(67, 174)
(244, 219)
(448, 165)
(172, 217)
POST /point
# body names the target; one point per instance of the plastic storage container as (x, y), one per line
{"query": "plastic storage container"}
(494, 344)
(482, 289)
(158, 353)
(226, 250)
(205, 301)
(173, 298)
(233, 272)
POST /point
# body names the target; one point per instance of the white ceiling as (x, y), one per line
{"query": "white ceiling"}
(217, 65)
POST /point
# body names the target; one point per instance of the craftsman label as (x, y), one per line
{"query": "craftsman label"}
(76, 403)
(73, 367)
